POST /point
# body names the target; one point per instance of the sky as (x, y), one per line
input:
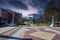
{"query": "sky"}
(27, 7)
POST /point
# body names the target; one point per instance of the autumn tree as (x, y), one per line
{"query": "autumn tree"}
(51, 11)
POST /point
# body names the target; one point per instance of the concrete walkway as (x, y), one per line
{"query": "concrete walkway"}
(19, 33)
(5, 29)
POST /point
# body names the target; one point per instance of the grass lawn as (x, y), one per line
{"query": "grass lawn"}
(41, 24)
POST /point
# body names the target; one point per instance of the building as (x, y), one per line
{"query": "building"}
(0, 14)
(18, 15)
(36, 16)
(0, 11)
(3, 15)
(9, 14)
(6, 16)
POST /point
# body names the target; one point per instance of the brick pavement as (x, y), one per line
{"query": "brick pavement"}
(39, 33)
(42, 34)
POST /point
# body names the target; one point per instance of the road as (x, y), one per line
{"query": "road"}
(36, 33)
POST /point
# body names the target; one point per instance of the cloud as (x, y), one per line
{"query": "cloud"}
(30, 10)
(15, 3)
(24, 6)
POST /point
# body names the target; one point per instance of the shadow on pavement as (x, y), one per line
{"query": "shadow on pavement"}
(2, 26)
(9, 37)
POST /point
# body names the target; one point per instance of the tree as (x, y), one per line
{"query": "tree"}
(51, 11)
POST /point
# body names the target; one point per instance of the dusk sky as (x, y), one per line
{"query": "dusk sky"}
(27, 6)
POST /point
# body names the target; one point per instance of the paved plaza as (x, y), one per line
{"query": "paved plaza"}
(36, 33)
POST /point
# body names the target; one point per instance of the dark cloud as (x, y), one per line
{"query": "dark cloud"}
(15, 3)
(39, 3)
(57, 3)
(19, 4)
(23, 4)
